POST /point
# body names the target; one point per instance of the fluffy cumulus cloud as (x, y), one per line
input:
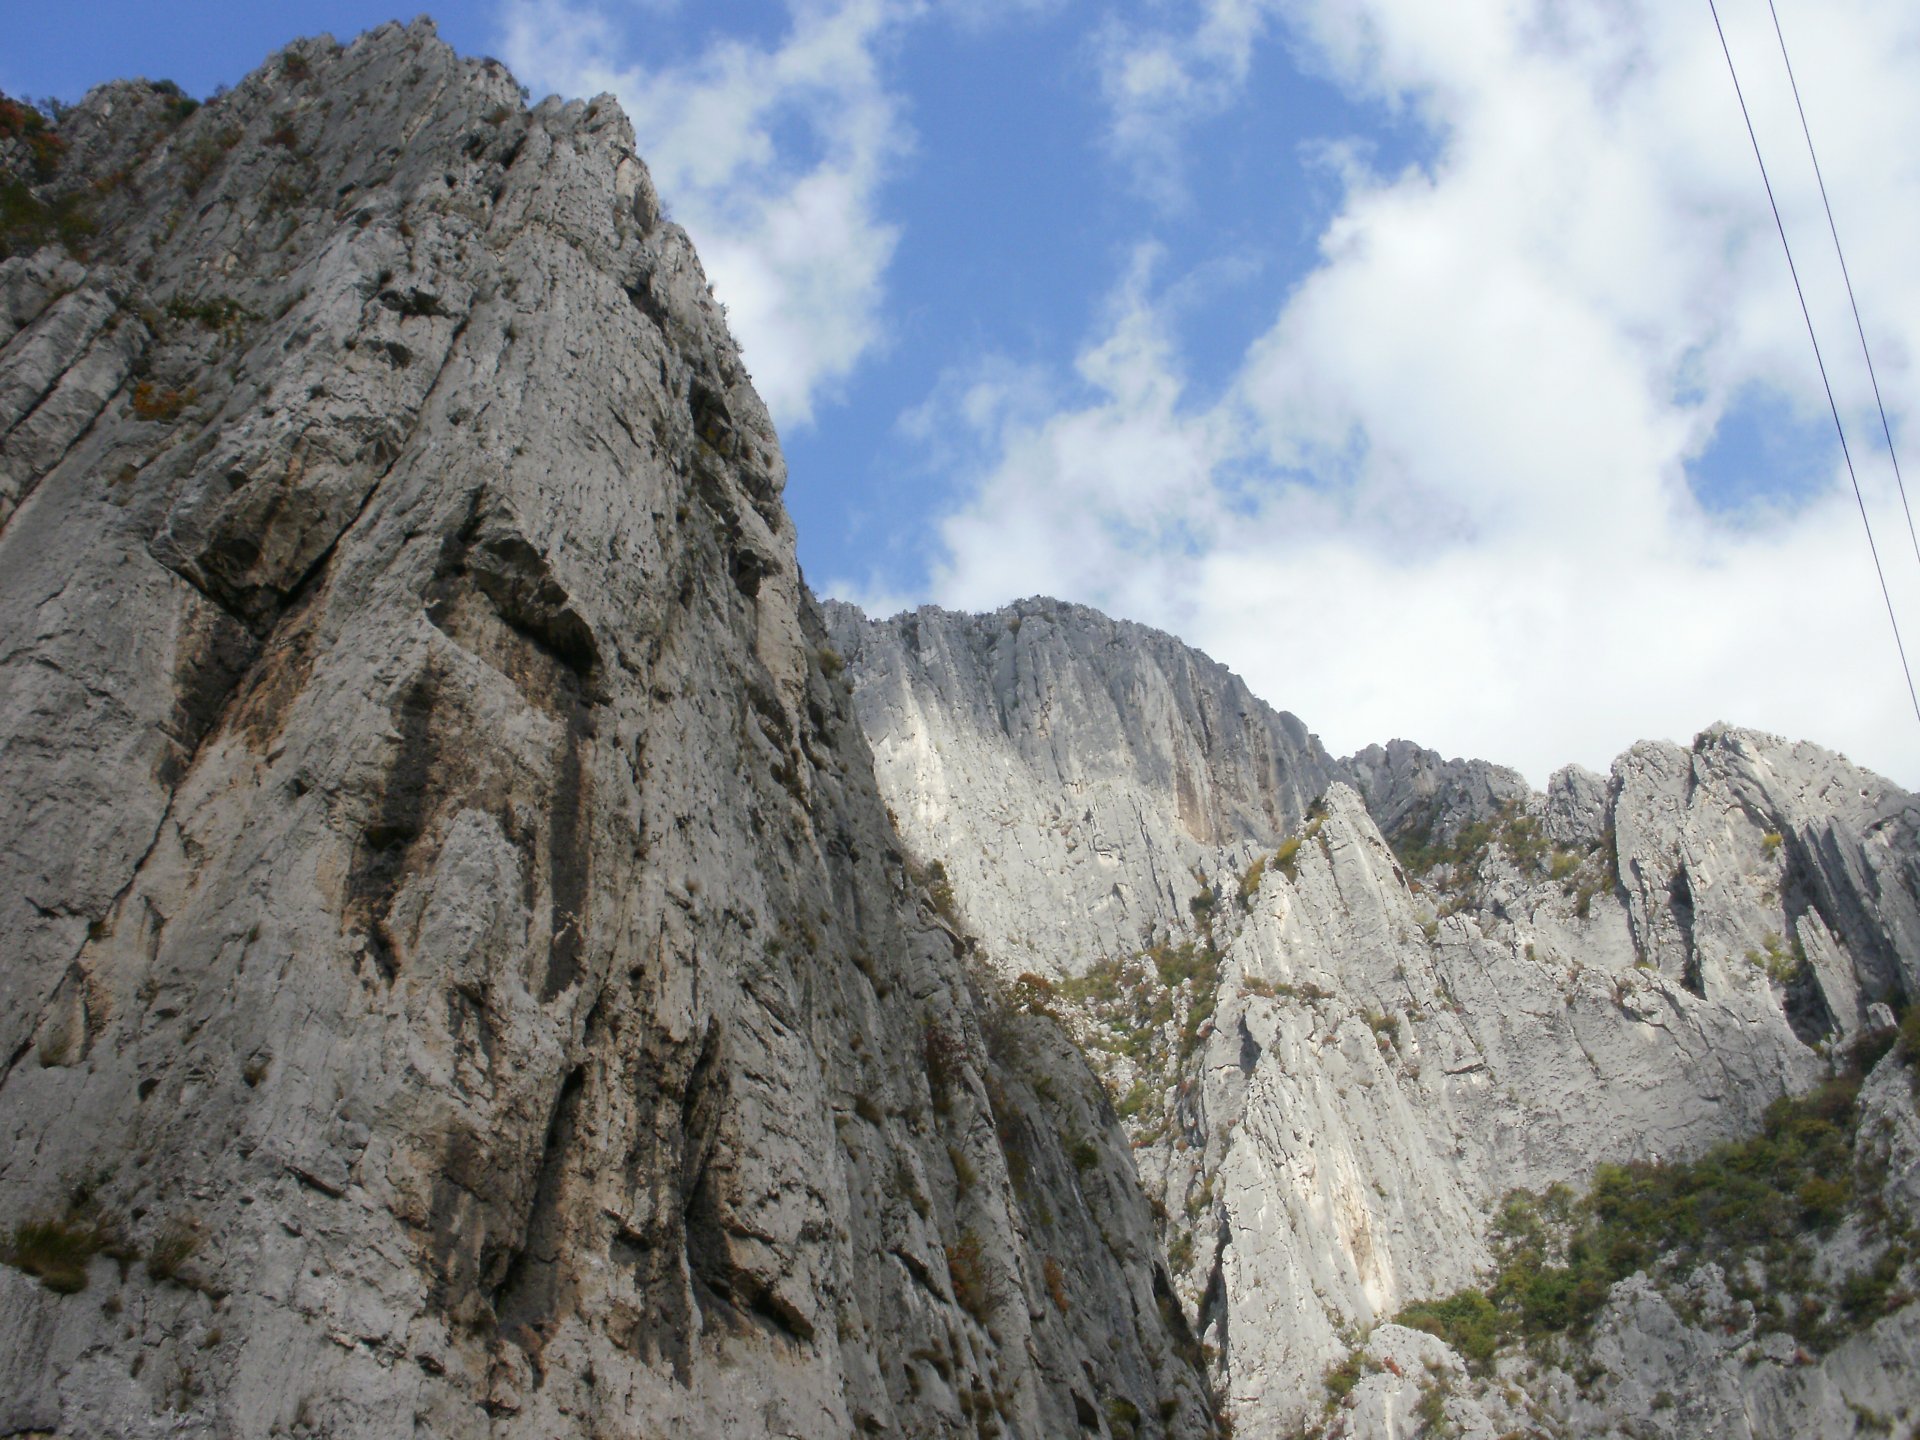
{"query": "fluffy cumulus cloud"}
(1448, 493)
(772, 155)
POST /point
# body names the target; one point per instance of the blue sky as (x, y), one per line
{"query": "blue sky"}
(1434, 366)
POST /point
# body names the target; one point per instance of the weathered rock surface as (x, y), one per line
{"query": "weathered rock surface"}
(1072, 773)
(458, 960)
(1332, 1082)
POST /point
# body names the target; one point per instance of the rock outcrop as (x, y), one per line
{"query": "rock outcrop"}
(1336, 1052)
(1071, 773)
(461, 978)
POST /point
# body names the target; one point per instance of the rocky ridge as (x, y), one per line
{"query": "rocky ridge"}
(461, 976)
(1339, 1038)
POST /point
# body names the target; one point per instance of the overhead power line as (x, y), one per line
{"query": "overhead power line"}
(1834, 230)
(1807, 315)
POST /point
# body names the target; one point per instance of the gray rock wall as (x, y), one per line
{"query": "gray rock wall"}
(1072, 773)
(1360, 1050)
(460, 975)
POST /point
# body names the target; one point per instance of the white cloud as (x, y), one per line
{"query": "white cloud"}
(772, 157)
(1446, 495)
(1157, 82)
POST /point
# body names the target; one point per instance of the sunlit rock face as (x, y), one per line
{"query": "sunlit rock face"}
(460, 976)
(1340, 1036)
(1072, 773)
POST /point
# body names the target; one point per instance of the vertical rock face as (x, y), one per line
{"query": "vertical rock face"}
(1339, 1053)
(1071, 772)
(460, 975)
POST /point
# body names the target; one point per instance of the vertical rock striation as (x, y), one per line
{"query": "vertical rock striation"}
(1072, 773)
(461, 978)
(1345, 1031)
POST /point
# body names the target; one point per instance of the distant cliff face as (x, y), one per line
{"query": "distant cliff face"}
(1072, 773)
(1337, 1054)
(460, 977)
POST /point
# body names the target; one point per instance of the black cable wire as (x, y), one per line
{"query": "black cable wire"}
(1819, 360)
(1834, 230)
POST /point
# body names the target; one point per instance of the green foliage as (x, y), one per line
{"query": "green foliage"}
(1781, 965)
(176, 1243)
(220, 313)
(1759, 1197)
(1431, 1409)
(1908, 1045)
(1200, 1200)
(1250, 882)
(27, 222)
(1287, 858)
(1420, 852)
(1084, 1154)
(1466, 1320)
(205, 155)
(55, 1251)
(1771, 842)
(1753, 1206)
(1101, 982)
(180, 105)
(1340, 1379)
(1523, 836)
(940, 891)
(45, 149)
(831, 663)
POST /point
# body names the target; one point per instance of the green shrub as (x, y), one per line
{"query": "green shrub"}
(1341, 1378)
(1558, 1255)
(56, 1251)
(940, 892)
(176, 1243)
(1781, 965)
(27, 222)
(1466, 1320)
(1250, 882)
(1180, 1252)
(1287, 857)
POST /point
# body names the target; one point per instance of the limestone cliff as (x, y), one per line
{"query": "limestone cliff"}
(460, 975)
(1337, 1052)
(1072, 773)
